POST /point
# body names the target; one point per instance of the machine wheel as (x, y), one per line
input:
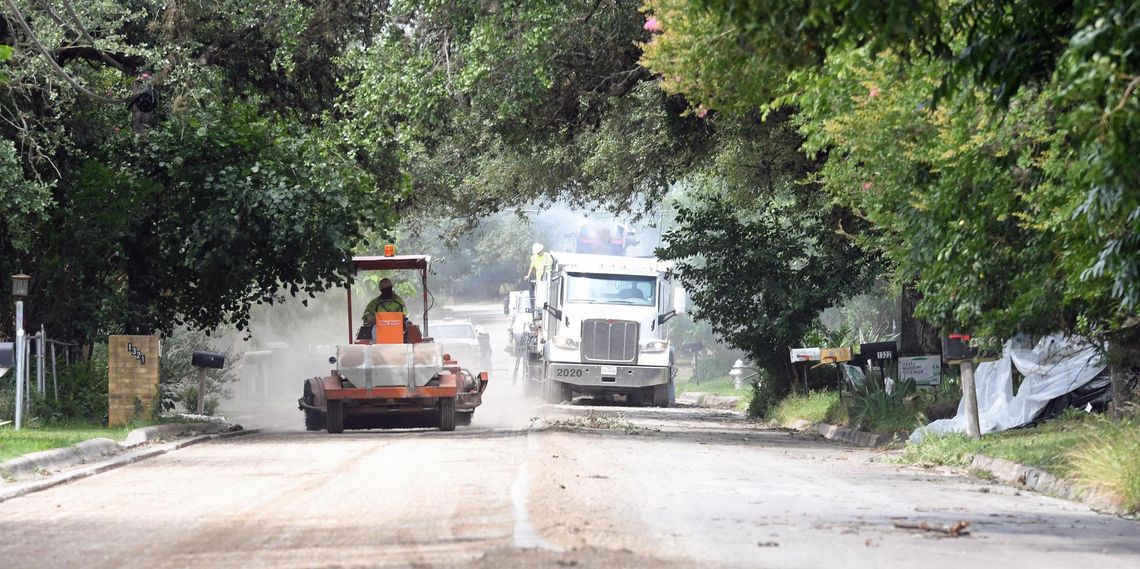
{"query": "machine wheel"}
(463, 418)
(447, 414)
(661, 394)
(314, 420)
(335, 417)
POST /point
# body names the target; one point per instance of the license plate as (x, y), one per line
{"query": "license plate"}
(609, 370)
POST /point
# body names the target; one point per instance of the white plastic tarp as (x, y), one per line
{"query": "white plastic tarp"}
(1055, 366)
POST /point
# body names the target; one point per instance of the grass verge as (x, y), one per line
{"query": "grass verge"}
(719, 386)
(16, 443)
(1093, 451)
(813, 408)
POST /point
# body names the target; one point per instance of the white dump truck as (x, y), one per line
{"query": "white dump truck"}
(599, 329)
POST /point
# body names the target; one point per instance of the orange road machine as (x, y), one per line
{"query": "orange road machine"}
(395, 374)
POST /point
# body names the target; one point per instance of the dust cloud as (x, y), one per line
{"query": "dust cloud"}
(290, 341)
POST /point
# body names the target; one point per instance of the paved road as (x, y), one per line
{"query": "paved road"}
(530, 486)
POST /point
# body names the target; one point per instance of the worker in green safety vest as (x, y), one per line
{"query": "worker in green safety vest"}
(540, 262)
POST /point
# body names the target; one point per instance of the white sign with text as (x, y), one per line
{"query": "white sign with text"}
(924, 370)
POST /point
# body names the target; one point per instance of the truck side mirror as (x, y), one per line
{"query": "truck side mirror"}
(680, 301)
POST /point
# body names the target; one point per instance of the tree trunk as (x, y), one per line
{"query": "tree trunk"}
(917, 337)
(140, 288)
(1116, 375)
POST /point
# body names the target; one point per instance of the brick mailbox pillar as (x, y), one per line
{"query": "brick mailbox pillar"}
(132, 382)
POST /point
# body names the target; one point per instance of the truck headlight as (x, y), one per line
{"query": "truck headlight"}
(655, 346)
(566, 342)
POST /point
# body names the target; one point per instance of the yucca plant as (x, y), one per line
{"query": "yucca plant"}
(874, 408)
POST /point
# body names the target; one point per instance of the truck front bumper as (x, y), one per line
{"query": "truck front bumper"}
(589, 378)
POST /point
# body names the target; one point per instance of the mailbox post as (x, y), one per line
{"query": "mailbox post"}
(204, 361)
(956, 349)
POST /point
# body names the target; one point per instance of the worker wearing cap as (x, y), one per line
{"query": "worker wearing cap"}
(388, 301)
(539, 262)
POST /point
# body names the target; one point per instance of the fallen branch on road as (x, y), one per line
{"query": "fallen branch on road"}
(957, 530)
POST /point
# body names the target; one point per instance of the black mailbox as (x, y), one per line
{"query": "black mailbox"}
(7, 354)
(208, 359)
(879, 351)
(956, 349)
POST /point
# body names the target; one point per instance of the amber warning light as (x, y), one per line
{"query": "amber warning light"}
(389, 250)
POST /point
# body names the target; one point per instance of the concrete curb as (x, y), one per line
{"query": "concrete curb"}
(27, 487)
(851, 436)
(96, 449)
(1038, 480)
(32, 463)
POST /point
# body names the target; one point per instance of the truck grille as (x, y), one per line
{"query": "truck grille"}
(609, 341)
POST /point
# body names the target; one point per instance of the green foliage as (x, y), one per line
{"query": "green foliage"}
(505, 103)
(760, 274)
(990, 145)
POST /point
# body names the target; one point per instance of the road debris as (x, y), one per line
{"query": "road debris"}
(957, 530)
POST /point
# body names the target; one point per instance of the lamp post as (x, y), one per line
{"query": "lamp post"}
(19, 291)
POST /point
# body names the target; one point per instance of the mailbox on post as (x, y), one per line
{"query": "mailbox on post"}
(7, 355)
(208, 360)
(202, 361)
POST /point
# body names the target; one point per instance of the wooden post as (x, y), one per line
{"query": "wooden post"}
(202, 391)
(970, 396)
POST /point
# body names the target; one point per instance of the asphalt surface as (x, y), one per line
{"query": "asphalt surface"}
(544, 486)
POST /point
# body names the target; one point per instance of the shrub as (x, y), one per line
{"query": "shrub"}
(82, 395)
(765, 395)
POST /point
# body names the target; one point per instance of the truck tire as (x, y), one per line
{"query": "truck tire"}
(636, 399)
(551, 393)
(335, 417)
(661, 395)
(447, 413)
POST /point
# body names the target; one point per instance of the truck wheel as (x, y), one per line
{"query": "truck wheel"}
(567, 392)
(552, 391)
(661, 395)
(335, 417)
(447, 413)
(463, 418)
(636, 399)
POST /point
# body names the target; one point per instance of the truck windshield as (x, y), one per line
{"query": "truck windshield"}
(589, 288)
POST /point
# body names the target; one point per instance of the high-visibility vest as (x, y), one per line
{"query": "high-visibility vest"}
(539, 262)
